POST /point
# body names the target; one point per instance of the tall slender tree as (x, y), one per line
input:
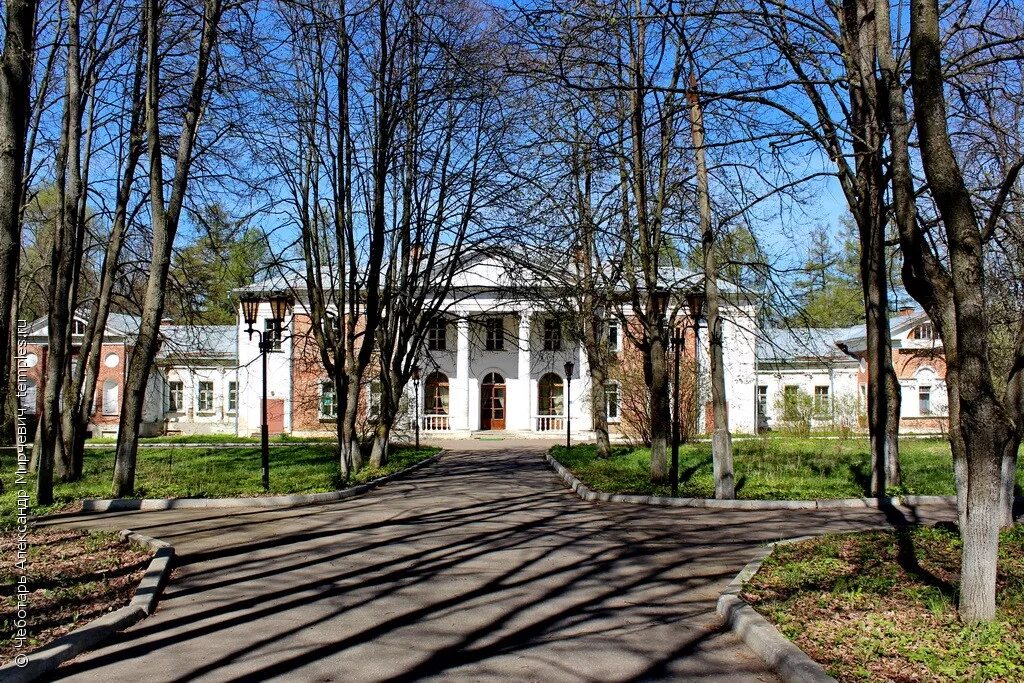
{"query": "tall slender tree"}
(165, 214)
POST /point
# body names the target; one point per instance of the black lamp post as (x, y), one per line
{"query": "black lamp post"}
(250, 312)
(695, 302)
(416, 386)
(678, 341)
(568, 402)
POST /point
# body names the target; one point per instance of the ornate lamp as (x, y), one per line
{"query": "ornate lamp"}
(250, 308)
(695, 302)
(659, 303)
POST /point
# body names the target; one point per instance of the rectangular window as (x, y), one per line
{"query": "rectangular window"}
(204, 397)
(925, 331)
(613, 336)
(612, 400)
(822, 406)
(495, 340)
(790, 396)
(110, 397)
(328, 401)
(437, 337)
(272, 335)
(232, 397)
(77, 328)
(552, 335)
(762, 401)
(175, 396)
(924, 400)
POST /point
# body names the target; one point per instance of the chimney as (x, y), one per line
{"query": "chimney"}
(904, 311)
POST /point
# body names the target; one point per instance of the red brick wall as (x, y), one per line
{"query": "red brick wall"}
(38, 374)
(308, 373)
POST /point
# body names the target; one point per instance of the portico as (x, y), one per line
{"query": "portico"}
(506, 373)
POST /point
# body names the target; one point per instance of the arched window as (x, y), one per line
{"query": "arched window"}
(110, 397)
(435, 395)
(549, 395)
(29, 398)
(493, 378)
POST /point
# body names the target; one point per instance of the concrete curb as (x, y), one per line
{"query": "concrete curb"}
(212, 446)
(119, 504)
(143, 603)
(789, 661)
(585, 493)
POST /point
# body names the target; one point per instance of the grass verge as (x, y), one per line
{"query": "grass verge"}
(881, 606)
(770, 468)
(74, 577)
(212, 473)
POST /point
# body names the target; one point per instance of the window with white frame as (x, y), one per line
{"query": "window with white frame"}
(204, 397)
(110, 397)
(437, 337)
(29, 397)
(925, 331)
(613, 400)
(272, 335)
(822, 404)
(175, 397)
(613, 339)
(232, 397)
(924, 400)
(328, 401)
(495, 334)
(552, 334)
(77, 327)
(762, 402)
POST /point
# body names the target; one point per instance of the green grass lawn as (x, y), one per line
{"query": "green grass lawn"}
(217, 439)
(771, 467)
(882, 606)
(212, 472)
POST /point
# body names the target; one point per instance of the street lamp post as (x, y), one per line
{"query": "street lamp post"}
(695, 302)
(568, 402)
(250, 311)
(659, 309)
(416, 387)
(677, 342)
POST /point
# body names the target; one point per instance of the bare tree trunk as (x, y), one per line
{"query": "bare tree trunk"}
(165, 218)
(65, 255)
(381, 443)
(15, 86)
(721, 440)
(985, 431)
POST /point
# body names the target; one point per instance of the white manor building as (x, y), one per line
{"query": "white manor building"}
(495, 364)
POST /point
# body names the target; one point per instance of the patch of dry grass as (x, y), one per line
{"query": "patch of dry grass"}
(74, 577)
(881, 606)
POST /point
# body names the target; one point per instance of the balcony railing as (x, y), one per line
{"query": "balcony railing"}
(550, 423)
(435, 423)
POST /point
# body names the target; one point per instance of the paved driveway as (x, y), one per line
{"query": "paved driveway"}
(480, 567)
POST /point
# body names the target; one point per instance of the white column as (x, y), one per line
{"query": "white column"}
(461, 384)
(525, 412)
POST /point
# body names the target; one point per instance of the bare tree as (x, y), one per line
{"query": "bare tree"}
(164, 214)
(66, 253)
(953, 287)
(15, 112)
(721, 443)
(847, 126)
(80, 391)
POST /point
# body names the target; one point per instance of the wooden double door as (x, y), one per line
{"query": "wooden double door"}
(492, 402)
